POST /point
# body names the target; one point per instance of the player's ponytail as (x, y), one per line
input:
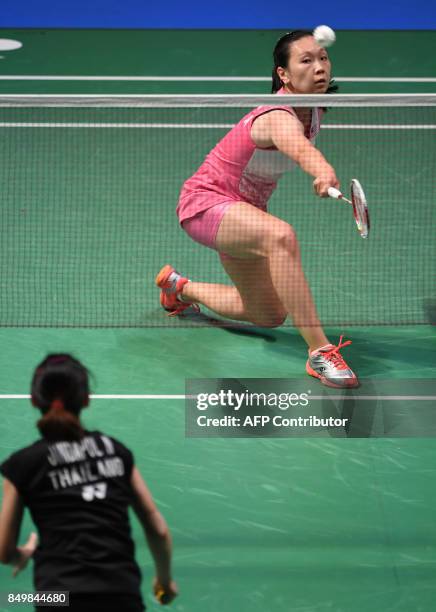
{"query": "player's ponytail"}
(60, 389)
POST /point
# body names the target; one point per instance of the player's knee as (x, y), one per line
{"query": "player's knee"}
(286, 237)
(270, 320)
(281, 236)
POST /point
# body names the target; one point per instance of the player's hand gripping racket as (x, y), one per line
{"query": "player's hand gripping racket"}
(164, 595)
(358, 202)
(161, 595)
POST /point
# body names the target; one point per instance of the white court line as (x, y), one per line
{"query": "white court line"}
(330, 126)
(374, 126)
(392, 398)
(176, 79)
(115, 125)
(122, 397)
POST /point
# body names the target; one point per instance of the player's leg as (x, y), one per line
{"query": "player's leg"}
(179, 294)
(263, 260)
(223, 299)
(247, 233)
(252, 298)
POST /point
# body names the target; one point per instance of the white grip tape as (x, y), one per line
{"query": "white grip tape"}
(334, 193)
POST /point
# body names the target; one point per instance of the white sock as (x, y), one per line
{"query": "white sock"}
(180, 296)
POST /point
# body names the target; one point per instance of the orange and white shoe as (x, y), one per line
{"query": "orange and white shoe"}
(171, 284)
(328, 365)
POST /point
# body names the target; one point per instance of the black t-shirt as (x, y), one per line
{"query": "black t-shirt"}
(78, 494)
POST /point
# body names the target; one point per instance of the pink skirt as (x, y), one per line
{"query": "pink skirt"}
(203, 227)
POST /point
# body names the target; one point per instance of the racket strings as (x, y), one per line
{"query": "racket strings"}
(360, 208)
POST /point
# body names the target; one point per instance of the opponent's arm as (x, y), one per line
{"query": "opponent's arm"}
(10, 523)
(158, 537)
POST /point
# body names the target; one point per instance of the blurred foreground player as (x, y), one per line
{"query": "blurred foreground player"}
(78, 486)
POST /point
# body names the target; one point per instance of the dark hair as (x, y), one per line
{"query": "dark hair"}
(60, 389)
(281, 54)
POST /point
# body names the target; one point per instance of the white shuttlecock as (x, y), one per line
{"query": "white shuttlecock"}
(324, 36)
(7, 44)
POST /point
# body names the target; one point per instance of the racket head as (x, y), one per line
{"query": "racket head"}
(360, 208)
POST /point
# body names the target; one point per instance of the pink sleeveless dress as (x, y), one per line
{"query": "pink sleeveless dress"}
(236, 170)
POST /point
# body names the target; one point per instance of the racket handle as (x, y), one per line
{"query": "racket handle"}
(161, 595)
(335, 193)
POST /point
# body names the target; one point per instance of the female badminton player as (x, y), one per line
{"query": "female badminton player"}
(224, 207)
(78, 486)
